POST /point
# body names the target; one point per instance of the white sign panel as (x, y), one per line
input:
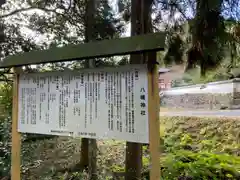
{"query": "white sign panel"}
(104, 103)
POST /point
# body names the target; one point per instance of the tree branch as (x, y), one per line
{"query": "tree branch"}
(69, 19)
(174, 5)
(27, 9)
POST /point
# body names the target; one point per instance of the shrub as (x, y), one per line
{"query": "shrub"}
(185, 164)
(5, 147)
(200, 149)
(5, 128)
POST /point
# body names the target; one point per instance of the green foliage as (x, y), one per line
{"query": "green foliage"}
(208, 41)
(220, 133)
(200, 166)
(5, 128)
(175, 51)
(59, 23)
(5, 146)
(201, 149)
(197, 149)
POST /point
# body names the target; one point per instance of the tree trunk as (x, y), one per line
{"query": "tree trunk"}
(89, 146)
(140, 24)
(203, 69)
(206, 24)
(84, 154)
(133, 157)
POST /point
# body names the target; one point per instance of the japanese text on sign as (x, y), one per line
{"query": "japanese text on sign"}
(107, 103)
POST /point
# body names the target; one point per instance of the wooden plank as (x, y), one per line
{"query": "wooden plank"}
(104, 48)
(16, 137)
(154, 125)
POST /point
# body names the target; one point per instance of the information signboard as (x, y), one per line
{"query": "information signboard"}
(109, 103)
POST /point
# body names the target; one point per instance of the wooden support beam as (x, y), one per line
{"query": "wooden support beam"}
(104, 48)
(154, 125)
(16, 137)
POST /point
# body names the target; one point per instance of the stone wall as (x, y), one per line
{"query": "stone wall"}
(197, 101)
(217, 95)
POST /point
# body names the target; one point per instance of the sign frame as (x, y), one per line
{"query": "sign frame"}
(16, 136)
(155, 42)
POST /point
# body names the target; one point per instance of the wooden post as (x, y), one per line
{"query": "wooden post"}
(90, 22)
(154, 125)
(16, 137)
